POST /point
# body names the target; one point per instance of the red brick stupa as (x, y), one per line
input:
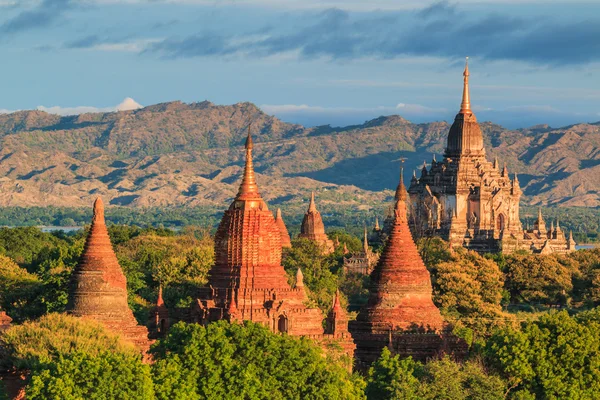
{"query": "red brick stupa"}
(248, 281)
(99, 287)
(400, 312)
(286, 241)
(313, 228)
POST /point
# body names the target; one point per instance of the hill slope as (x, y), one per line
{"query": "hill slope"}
(190, 154)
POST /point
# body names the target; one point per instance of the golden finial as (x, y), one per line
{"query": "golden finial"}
(465, 106)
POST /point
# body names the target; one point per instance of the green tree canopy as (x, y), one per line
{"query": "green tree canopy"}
(555, 357)
(33, 344)
(82, 376)
(246, 361)
(393, 378)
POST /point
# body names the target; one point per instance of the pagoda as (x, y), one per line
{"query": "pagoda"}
(361, 262)
(400, 313)
(247, 281)
(286, 241)
(99, 287)
(313, 228)
(159, 317)
(470, 201)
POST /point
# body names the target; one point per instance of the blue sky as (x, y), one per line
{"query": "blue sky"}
(312, 62)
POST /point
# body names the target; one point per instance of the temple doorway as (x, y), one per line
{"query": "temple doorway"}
(500, 222)
(282, 324)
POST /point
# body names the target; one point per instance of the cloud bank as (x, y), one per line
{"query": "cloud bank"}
(433, 31)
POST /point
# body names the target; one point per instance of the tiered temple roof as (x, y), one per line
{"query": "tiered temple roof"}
(248, 281)
(313, 228)
(99, 287)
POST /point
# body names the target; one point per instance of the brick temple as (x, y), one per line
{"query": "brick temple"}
(248, 281)
(99, 287)
(313, 228)
(470, 201)
(400, 313)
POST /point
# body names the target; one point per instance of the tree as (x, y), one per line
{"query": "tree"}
(320, 270)
(536, 278)
(83, 376)
(392, 378)
(555, 357)
(32, 344)
(468, 288)
(248, 361)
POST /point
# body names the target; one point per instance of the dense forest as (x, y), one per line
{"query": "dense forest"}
(530, 322)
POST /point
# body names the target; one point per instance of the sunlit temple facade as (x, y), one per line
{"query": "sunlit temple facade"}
(470, 201)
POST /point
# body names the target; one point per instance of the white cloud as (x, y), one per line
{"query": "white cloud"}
(127, 104)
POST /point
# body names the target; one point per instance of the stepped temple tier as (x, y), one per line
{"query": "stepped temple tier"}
(470, 201)
(99, 287)
(400, 312)
(247, 281)
(313, 228)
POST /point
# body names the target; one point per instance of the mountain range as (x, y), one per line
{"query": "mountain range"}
(175, 154)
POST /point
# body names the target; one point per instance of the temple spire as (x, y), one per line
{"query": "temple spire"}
(299, 278)
(248, 187)
(160, 302)
(365, 241)
(377, 224)
(465, 105)
(311, 206)
(401, 189)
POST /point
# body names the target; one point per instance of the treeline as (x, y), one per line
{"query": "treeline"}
(584, 222)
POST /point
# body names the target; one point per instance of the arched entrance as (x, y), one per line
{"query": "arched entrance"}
(282, 324)
(500, 222)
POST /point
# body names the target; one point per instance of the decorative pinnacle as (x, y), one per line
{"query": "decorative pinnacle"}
(160, 302)
(311, 206)
(249, 143)
(248, 185)
(365, 240)
(278, 215)
(401, 189)
(299, 278)
(98, 215)
(465, 106)
(336, 301)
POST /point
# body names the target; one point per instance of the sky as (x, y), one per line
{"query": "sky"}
(337, 62)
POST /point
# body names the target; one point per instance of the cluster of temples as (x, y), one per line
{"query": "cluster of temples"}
(464, 198)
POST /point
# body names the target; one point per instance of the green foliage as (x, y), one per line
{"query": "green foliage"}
(534, 278)
(394, 378)
(246, 361)
(468, 289)
(555, 357)
(320, 270)
(33, 344)
(80, 376)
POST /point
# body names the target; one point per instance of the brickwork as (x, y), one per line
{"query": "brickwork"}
(99, 287)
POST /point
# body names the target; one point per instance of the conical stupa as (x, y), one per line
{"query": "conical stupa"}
(99, 287)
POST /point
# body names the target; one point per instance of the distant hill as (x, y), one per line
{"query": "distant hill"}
(175, 154)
